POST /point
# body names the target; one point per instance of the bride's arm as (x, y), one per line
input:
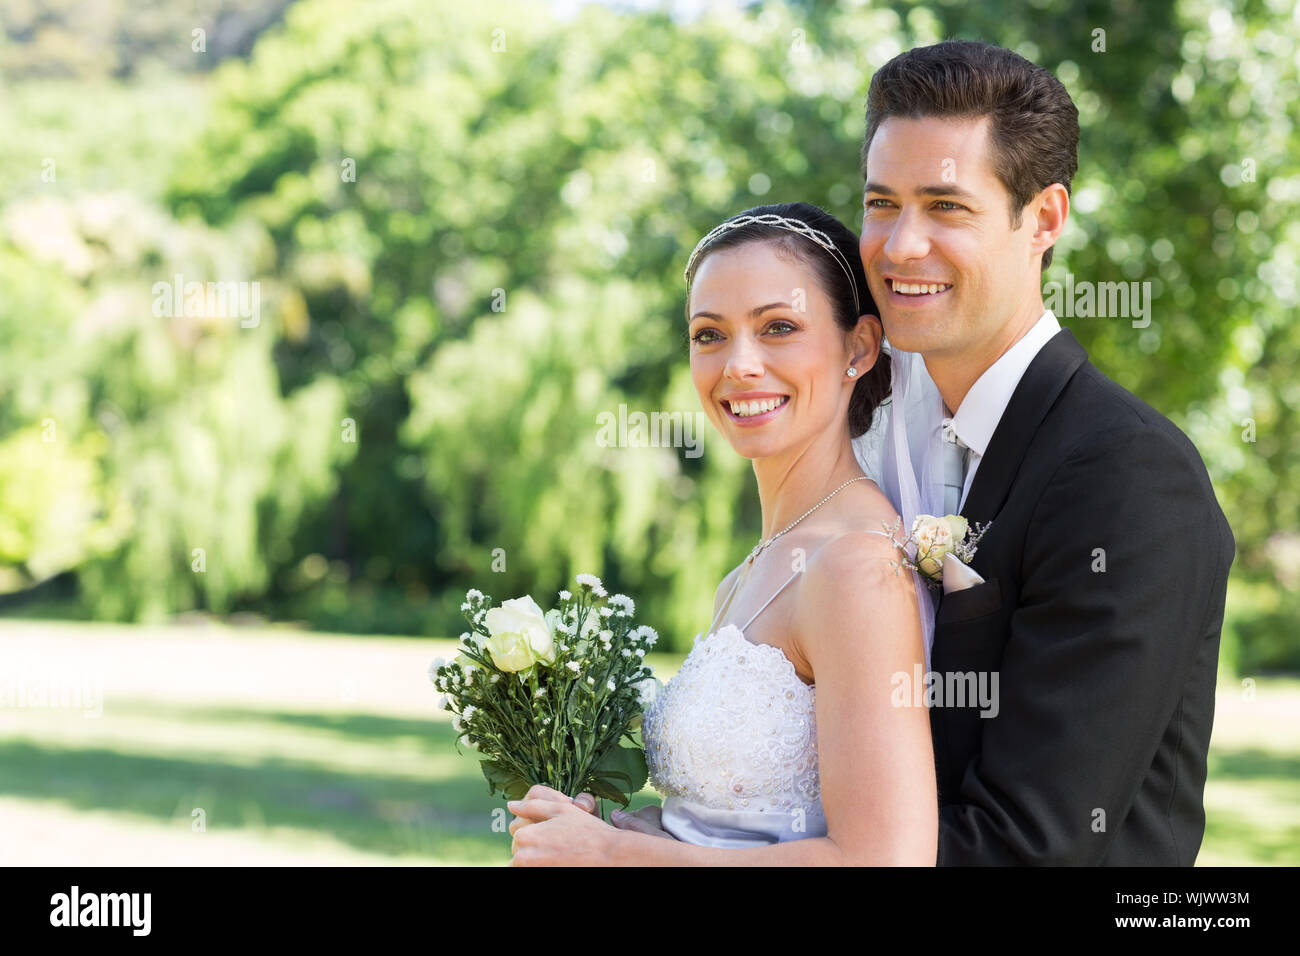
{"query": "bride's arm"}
(858, 626)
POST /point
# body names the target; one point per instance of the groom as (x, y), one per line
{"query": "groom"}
(1106, 562)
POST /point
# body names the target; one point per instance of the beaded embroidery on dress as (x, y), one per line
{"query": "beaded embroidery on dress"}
(731, 743)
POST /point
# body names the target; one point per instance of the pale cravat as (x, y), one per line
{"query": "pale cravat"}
(956, 453)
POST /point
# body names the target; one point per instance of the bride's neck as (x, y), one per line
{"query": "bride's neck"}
(789, 485)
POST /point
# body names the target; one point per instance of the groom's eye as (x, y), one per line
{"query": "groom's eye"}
(953, 205)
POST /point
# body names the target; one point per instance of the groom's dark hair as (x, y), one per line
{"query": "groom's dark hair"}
(1033, 128)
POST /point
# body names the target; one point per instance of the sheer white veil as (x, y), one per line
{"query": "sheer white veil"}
(902, 452)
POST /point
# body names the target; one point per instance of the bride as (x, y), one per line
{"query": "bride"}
(776, 744)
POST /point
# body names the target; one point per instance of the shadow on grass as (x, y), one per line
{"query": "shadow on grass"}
(378, 813)
(453, 818)
(1250, 833)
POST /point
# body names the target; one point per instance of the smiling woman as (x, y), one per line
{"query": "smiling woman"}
(787, 244)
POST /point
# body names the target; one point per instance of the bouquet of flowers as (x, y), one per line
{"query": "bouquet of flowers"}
(933, 540)
(547, 697)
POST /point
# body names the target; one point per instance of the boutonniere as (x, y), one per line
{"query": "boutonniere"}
(932, 540)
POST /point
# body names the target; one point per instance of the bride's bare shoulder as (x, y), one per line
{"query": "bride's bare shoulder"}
(870, 510)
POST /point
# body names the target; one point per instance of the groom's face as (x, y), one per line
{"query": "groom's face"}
(943, 263)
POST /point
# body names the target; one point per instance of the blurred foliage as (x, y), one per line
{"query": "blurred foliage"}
(121, 38)
(471, 222)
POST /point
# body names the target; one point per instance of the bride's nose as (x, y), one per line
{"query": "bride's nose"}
(745, 360)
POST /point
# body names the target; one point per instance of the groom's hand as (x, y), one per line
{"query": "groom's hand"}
(646, 820)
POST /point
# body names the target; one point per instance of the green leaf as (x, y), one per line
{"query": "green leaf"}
(504, 781)
(620, 773)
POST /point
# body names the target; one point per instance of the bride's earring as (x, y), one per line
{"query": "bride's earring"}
(852, 372)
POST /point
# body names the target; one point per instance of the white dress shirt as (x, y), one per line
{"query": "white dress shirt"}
(981, 410)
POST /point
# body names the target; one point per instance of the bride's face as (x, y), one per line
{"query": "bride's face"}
(762, 335)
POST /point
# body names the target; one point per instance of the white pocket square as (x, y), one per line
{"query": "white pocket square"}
(957, 576)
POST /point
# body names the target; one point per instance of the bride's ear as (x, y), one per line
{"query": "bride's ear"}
(864, 342)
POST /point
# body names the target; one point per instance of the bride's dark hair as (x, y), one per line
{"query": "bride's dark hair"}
(872, 388)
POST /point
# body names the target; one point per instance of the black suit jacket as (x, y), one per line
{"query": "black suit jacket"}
(1105, 570)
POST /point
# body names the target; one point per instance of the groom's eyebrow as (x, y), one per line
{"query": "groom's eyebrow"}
(944, 189)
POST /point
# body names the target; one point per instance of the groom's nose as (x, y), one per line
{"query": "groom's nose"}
(908, 239)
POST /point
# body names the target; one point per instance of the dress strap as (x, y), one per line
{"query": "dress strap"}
(726, 604)
(770, 600)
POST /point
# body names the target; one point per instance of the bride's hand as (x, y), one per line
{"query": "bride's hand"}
(540, 791)
(562, 832)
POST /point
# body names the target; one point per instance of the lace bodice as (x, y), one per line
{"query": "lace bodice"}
(735, 729)
(731, 742)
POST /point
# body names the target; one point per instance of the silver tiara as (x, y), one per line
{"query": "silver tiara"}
(792, 225)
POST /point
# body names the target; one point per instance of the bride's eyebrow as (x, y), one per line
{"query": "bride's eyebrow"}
(754, 313)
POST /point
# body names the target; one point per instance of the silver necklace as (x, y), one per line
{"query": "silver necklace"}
(763, 545)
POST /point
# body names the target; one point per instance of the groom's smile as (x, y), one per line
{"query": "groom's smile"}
(911, 293)
(941, 256)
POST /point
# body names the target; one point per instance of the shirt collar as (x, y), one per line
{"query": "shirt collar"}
(981, 410)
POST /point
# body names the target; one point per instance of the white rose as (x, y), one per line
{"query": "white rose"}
(520, 635)
(936, 537)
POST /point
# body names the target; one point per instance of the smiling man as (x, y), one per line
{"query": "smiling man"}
(1106, 561)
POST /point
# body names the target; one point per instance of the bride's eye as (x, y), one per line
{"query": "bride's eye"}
(699, 339)
(781, 323)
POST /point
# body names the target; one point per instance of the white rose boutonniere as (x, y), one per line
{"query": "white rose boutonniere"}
(932, 540)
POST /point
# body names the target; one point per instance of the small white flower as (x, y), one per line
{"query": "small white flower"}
(628, 653)
(464, 605)
(494, 678)
(606, 636)
(565, 595)
(573, 666)
(606, 612)
(433, 668)
(610, 685)
(591, 681)
(589, 580)
(468, 712)
(473, 594)
(624, 603)
(459, 727)
(640, 652)
(540, 692)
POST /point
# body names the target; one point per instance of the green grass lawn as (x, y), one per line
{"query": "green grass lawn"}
(215, 746)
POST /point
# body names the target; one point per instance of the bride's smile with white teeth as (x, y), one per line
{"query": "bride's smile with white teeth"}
(768, 355)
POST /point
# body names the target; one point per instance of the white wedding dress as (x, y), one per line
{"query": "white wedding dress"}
(731, 743)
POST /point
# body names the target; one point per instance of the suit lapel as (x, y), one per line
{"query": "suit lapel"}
(1053, 366)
